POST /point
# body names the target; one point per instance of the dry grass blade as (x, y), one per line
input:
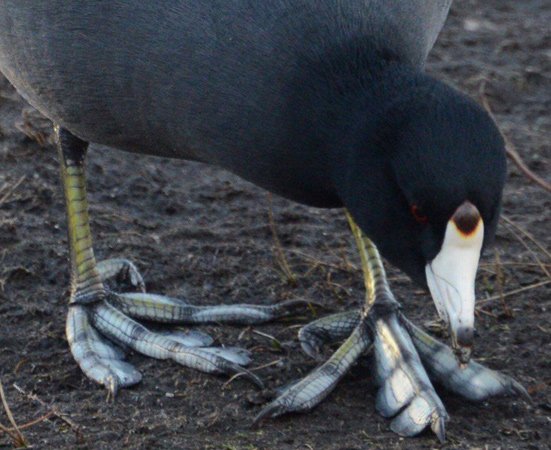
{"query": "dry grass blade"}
(515, 157)
(280, 255)
(500, 284)
(30, 424)
(276, 343)
(344, 267)
(513, 264)
(513, 292)
(486, 313)
(8, 191)
(54, 410)
(534, 255)
(527, 234)
(265, 366)
(19, 440)
(232, 379)
(10, 433)
(36, 421)
(509, 147)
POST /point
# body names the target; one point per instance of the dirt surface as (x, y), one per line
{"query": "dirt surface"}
(201, 233)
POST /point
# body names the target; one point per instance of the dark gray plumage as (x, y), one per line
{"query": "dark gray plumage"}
(322, 101)
(229, 82)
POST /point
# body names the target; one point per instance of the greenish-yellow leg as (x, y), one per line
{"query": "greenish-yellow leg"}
(101, 325)
(415, 402)
(473, 382)
(86, 284)
(406, 393)
(99, 316)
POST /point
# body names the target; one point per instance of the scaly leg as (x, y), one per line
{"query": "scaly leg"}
(311, 390)
(93, 307)
(329, 329)
(163, 309)
(473, 382)
(406, 392)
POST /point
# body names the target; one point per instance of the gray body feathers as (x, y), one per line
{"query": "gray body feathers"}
(218, 81)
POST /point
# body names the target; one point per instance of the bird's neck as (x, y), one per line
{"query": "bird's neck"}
(369, 118)
(361, 155)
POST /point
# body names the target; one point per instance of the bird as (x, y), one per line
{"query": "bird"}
(322, 102)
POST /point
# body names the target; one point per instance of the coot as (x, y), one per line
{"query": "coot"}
(323, 102)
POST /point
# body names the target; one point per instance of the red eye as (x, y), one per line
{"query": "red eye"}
(418, 215)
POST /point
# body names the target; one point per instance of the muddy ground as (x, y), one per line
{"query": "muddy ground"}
(201, 233)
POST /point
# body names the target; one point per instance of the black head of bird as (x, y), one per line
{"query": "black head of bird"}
(424, 180)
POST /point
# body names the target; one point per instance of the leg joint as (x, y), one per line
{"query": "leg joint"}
(71, 147)
(88, 298)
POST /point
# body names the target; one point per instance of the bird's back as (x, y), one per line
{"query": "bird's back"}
(213, 80)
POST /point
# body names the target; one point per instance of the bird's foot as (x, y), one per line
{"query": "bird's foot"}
(306, 393)
(97, 309)
(406, 393)
(472, 381)
(112, 315)
(402, 353)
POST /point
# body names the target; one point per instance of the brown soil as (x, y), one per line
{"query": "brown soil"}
(201, 233)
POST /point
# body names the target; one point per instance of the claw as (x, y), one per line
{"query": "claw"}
(515, 388)
(473, 381)
(201, 340)
(112, 386)
(438, 426)
(236, 355)
(269, 412)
